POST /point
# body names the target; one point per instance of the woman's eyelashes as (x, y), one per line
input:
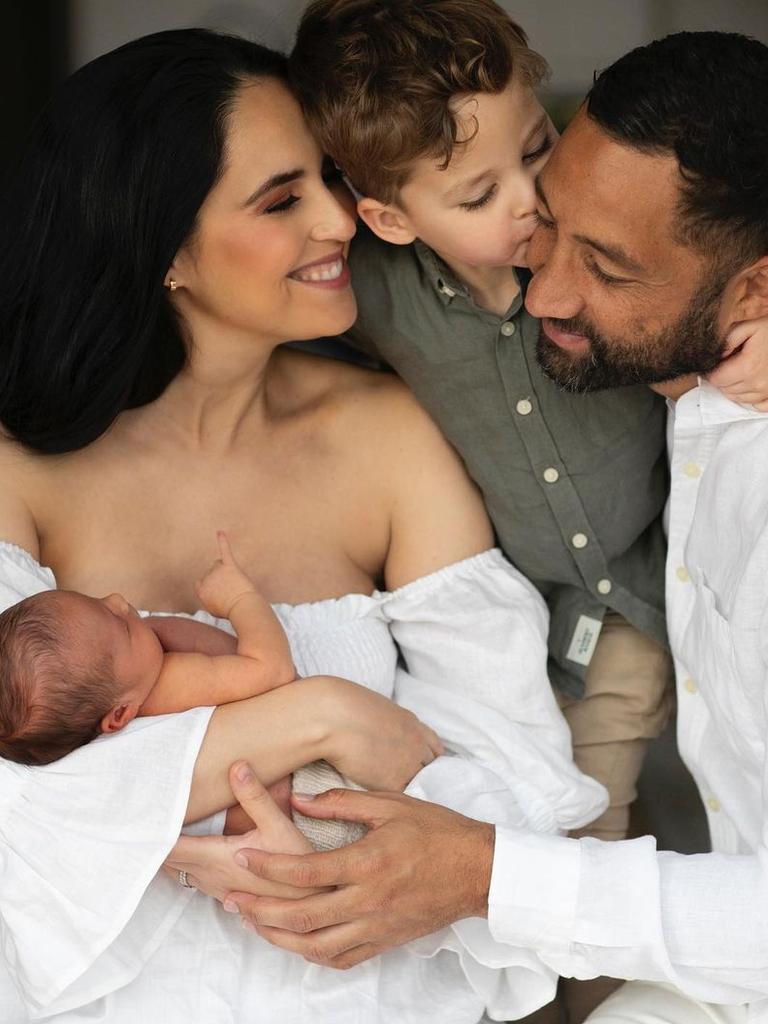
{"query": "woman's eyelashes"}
(331, 176)
(282, 204)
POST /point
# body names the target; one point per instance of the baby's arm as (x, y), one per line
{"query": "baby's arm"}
(743, 373)
(191, 636)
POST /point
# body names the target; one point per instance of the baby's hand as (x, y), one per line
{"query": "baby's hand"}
(224, 583)
(743, 373)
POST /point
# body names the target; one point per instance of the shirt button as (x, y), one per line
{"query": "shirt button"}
(692, 469)
(524, 407)
(713, 803)
(507, 329)
(682, 574)
(604, 586)
(579, 540)
(690, 686)
(551, 475)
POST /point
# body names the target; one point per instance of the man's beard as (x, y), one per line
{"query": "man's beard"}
(690, 345)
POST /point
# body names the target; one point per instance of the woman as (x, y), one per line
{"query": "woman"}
(172, 227)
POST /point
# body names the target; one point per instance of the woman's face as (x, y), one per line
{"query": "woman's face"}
(268, 256)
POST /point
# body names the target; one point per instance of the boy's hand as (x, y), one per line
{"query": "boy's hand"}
(743, 373)
(224, 583)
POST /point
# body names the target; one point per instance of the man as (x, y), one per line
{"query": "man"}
(652, 246)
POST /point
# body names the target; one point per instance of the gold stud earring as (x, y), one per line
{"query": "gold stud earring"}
(172, 285)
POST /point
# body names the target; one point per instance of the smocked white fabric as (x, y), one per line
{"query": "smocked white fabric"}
(81, 839)
(624, 909)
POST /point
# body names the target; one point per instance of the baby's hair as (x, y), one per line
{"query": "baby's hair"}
(52, 699)
(377, 79)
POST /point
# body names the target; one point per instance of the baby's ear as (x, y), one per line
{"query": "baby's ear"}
(118, 717)
(387, 221)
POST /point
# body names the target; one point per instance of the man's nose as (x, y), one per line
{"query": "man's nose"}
(552, 291)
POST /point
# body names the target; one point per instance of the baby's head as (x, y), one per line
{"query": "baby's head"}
(428, 107)
(71, 667)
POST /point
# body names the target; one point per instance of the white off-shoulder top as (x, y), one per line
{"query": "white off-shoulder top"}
(89, 931)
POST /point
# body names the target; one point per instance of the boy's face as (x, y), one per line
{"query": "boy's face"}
(479, 211)
(111, 626)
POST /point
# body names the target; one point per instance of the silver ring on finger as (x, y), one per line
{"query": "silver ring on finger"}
(184, 880)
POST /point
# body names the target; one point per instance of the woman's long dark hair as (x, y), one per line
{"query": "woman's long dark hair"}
(109, 189)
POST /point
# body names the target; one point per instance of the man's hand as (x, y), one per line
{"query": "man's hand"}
(420, 868)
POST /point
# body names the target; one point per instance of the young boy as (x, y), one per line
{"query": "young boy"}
(75, 667)
(428, 108)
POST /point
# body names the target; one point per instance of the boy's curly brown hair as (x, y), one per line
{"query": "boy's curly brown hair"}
(376, 79)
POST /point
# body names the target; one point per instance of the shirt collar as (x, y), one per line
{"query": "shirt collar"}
(445, 282)
(706, 405)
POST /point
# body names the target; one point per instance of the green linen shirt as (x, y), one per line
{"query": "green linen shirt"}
(574, 484)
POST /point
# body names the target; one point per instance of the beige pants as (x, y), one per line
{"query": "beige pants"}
(644, 1002)
(627, 702)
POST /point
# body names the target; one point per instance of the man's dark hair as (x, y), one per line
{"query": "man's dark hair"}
(702, 96)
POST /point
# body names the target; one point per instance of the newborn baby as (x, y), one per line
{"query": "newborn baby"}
(73, 667)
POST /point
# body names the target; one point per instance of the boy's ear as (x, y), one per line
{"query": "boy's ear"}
(746, 294)
(118, 717)
(388, 222)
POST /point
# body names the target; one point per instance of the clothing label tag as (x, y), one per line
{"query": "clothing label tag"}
(584, 640)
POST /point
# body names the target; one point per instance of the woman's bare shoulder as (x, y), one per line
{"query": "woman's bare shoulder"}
(374, 397)
(19, 469)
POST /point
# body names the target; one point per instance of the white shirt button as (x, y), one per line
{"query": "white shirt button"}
(524, 407)
(446, 290)
(551, 475)
(690, 685)
(604, 586)
(579, 540)
(507, 329)
(682, 574)
(713, 803)
(692, 469)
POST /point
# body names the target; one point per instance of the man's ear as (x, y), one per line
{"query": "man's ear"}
(746, 294)
(118, 717)
(388, 222)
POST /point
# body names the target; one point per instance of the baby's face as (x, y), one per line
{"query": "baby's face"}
(111, 626)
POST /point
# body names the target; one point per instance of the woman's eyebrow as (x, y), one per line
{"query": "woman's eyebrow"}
(283, 178)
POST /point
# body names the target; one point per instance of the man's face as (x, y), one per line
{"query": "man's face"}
(620, 299)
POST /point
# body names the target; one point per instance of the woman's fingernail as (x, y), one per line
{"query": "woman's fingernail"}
(241, 859)
(304, 797)
(231, 907)
(244, 772)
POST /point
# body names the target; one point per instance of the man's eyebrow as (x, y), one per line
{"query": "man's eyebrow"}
(283, 178)
(540, 195)
(614, 253)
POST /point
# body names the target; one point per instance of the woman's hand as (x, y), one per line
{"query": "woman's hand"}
(210, 861)
(373, 741)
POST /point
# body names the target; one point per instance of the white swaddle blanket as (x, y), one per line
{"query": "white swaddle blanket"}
(87, 933)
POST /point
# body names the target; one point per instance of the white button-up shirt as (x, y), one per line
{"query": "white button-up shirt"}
(626, 909)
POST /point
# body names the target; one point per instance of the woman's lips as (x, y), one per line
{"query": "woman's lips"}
(563, 339)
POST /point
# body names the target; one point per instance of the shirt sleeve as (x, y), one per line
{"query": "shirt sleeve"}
(473, 639)
(626, 910)
(81, 841)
